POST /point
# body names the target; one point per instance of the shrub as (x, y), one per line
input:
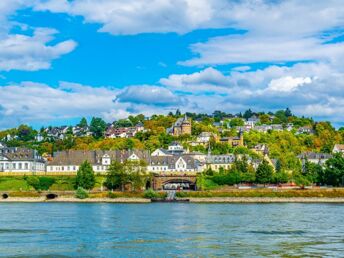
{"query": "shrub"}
(150, 193)
(181, 194)
(81, 193)
(33, 181)
(40, 183)
(46, 182)
(125, 195)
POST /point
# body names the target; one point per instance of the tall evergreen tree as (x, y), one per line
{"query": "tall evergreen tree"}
(85, 177)
(83, 122)
(264, 173)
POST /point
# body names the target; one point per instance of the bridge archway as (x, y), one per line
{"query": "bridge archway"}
(176, 182)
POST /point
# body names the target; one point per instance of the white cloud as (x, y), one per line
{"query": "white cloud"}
(288, 83)
(246, 49)
(31, 102)
(25, 51)
(208, 79)
(32, 53)
(149, 95)
(133, 17)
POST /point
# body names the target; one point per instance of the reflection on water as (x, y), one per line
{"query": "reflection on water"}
(160, 230)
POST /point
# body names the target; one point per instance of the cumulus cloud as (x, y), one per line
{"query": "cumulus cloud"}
(206, 80)
(149, 95)
(276, 31)
(30, 102)
(32, 53)
(133, 17)
(39, 103)
(288, 83)
(246, 49)
(30, 49)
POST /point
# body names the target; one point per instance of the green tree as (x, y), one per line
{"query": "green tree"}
(301, 181)
(288, 113)
(334, 170)
(264, 173)
(97, 127)
(136, 170)
(248, 113)
(281, 177)
(85, 177)
(26, 133)
(83, 123)
(281, 115)
(116, 176)
(313, 172)
(264, 119)
(236, 122)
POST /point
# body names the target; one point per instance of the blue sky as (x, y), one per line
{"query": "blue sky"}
(61, 60)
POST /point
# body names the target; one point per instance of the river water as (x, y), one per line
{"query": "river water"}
(171, 230)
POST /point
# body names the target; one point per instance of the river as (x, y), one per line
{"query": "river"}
(161, 230)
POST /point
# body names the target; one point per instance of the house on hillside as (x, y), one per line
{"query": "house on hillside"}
(252, 121)
(261, 149)
(234, 141)
(216, 162)
(175, 148)
(123, 132)
(305, 130)
(204, 138)
(338, 148)
(316, 158)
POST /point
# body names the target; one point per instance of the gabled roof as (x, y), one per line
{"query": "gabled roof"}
(20, 154)
(170, 161)
(76, 157)
(221, 159)
(313, 155)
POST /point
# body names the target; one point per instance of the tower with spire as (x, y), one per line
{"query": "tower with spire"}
(181, 127)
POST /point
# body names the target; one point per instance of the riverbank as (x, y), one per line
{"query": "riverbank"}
(74, 200)
(192, 200)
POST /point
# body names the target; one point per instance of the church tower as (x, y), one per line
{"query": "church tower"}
(186, 125)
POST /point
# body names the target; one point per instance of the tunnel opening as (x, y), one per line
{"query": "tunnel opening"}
(51, 196)
(4, 196)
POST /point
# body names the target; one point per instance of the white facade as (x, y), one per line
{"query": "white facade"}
(13, 159)
(338, 148)
(178, 166)
(176, 147)
(7, 165)
(101, 167)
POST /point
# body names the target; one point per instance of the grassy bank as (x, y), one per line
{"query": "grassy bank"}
(328, 193)
(61, 183)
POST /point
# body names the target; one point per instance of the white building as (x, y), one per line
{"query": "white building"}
(338, 148)
(175, 164)
(15, 159)
(70, 161)
(316, 158)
